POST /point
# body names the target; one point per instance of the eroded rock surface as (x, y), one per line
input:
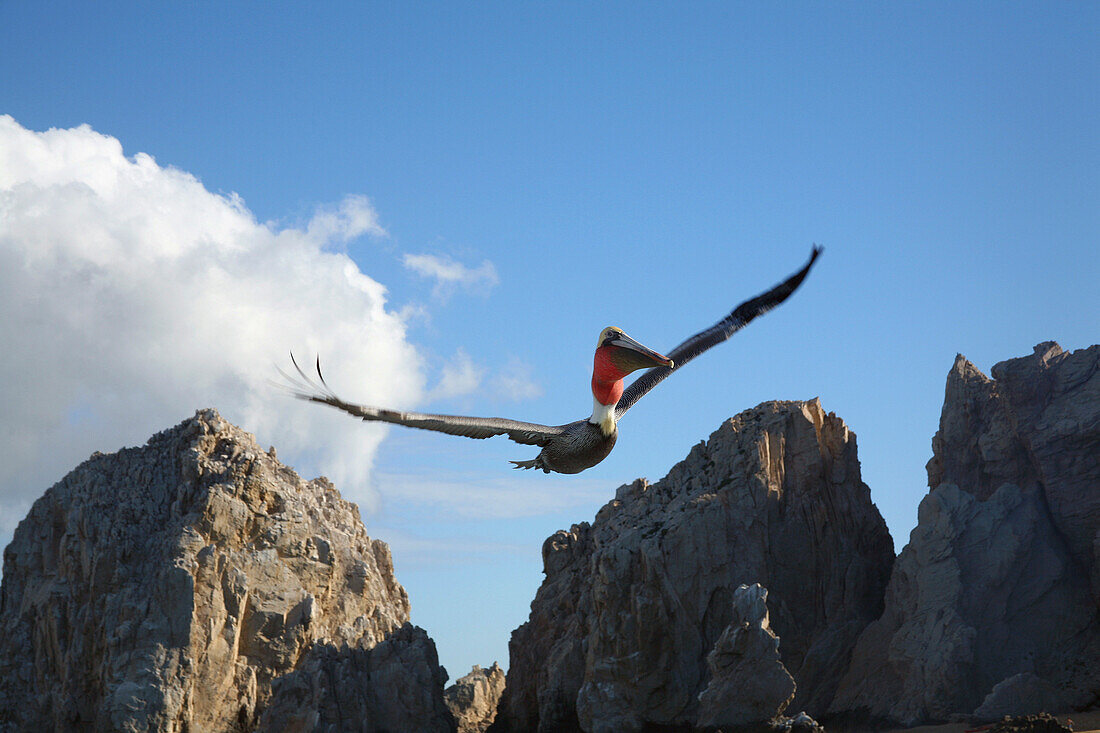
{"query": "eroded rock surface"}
(169, 587)
(994, 598)
(473, 699)
(632, 604)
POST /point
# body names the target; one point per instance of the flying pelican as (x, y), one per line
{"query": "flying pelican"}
(575, 446)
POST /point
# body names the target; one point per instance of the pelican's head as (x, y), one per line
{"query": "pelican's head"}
(625, 354)
(616, 356)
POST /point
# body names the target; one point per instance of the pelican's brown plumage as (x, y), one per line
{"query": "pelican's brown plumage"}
(575, 446)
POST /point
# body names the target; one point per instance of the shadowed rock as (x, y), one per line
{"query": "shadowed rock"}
(992, 605)
(394, 686)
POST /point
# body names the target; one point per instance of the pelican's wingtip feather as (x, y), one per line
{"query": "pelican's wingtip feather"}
(304, 386)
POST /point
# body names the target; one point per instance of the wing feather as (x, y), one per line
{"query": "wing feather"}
(737, 319)
(526, 433)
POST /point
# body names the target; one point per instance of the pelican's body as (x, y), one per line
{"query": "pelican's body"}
(575, 446)
(581, 444)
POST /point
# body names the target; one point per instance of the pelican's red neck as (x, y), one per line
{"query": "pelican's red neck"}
(607, 377)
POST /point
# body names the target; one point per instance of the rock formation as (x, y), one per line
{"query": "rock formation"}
(632, 605)
(992, 606)
(473, 699)
(198, 584)
(748, 682)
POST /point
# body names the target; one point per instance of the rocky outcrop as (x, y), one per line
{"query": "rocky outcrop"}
(473, 699)
(198, 584)
(632, 605)
(992, 607)
(748, 682)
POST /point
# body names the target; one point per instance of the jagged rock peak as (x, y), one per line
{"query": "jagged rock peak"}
(633, 603)
(964, 369)
(170, 587)
(991, 608)
(473, 699)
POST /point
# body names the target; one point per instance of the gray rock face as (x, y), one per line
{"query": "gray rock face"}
(394, 686)
(632, 605)
(473, 699)
(996, 590)
(1054, 400)
(748, 682)
(170, 587)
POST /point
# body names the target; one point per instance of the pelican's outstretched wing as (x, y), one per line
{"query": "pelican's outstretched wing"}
(526, 433)
(738, 318)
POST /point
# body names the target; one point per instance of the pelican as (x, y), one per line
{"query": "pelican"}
(575, 446)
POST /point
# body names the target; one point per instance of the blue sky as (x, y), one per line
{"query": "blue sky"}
(564, 167)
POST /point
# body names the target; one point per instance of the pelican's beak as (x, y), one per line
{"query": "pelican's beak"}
(638, 356)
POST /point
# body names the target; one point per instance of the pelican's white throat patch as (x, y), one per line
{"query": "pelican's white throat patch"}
(604, 416)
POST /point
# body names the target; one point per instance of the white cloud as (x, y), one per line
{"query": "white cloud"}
(514, 382)
(132, 296)
(353, 218)
(460, 376)
(450, 274)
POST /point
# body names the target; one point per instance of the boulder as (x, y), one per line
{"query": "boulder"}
(1040, 723)
(170, 587)
(633, 604)
(994, 597)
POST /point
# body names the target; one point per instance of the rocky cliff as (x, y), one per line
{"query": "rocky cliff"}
(633, 605)
(992, 607)
(196, 583)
